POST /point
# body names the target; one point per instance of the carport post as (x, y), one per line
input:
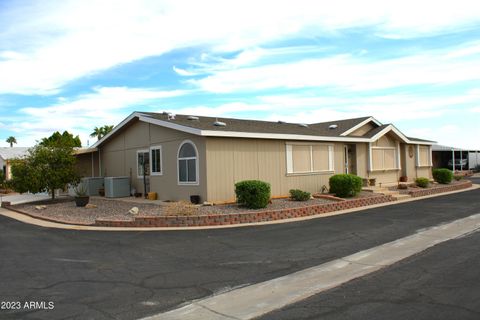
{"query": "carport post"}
(461, 158)
(453, 160)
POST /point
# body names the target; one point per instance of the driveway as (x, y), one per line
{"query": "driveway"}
(128, 275)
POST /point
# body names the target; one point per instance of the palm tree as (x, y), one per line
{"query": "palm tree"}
(11, 140)
(97, 132)
(101, 132)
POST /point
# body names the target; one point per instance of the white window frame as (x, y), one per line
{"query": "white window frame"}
(289, 160)
(152, 173)
(147, 151)
(197, 166)
(395, 157)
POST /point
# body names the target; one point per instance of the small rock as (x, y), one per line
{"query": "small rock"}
(90, 206)
(206, 203)
(134, 210)
(42, 207)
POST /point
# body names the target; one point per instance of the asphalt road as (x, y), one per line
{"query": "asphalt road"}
(128, 275)
(442, 282)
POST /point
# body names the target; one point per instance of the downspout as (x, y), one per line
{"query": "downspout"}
(99, 163)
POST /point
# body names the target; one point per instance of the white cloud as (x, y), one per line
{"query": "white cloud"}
(346, 71)
(227, 109)
(105, 105)
(45, 45)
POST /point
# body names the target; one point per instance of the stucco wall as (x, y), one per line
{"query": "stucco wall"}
(230, 160)
(119, 158)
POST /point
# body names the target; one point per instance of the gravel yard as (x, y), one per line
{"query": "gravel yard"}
(434, 185)
(64, 209)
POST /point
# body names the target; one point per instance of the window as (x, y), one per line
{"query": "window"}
(143, 162)
(156, 160)
(384, 158)
(423, 156)
(187, 163)
(309, 158)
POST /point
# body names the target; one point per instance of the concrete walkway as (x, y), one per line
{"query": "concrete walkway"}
(24, 198)
(255, 300)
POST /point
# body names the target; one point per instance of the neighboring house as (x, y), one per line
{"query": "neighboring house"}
(8, 154)
(189, 155)
(464, 159)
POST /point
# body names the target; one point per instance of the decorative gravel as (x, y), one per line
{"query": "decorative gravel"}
(434, 185)
(275, 205)
(65, 210)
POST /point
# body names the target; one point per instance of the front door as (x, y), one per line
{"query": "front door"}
(351, 159)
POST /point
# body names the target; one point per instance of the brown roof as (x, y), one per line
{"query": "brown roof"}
(257, 126)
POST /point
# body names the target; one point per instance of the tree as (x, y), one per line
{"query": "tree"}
(45, 168)
(101, 132)
(64, 140)
(11, 140)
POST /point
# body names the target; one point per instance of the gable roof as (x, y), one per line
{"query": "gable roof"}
(243, 128)
(259, 126)
(7, 153)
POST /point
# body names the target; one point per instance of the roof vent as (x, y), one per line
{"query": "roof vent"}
(192, 118)
(171, 116)
(219, 124)
(333, 126)
(303, 125)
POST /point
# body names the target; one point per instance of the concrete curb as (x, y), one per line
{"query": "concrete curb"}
(57, 225)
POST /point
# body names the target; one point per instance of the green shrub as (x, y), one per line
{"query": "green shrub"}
(443, 176)
(299, 195)
(345, 185)
(457, 177)
(422, 182)
(253, 194)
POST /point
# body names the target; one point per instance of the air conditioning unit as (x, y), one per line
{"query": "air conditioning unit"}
(117, 187)
(92, 184)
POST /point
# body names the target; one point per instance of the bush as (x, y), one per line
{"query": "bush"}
(443, 176)
(457, 177)
(299, 195)
(253, 194)
(345, 185)
(422, 182)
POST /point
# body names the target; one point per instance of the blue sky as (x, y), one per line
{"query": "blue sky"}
(74, 65)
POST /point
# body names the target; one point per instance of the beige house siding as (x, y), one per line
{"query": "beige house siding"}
(230, 160)
(119, 158)
(362, 130)
(409, 164)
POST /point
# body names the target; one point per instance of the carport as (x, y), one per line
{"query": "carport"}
(441, 155)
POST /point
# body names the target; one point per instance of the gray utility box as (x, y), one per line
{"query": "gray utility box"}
(93, 184)
(117, 187)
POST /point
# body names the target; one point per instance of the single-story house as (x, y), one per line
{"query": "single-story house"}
(8, 154)
(464, 159)
(188, 155)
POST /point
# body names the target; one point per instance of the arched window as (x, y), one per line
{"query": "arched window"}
(187, 163)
